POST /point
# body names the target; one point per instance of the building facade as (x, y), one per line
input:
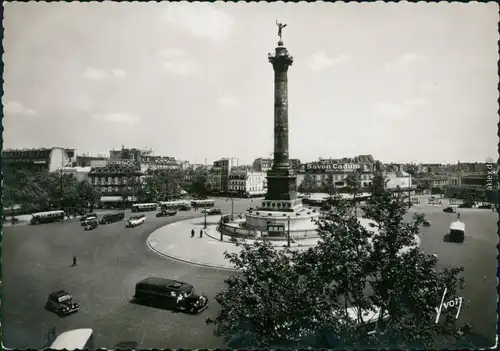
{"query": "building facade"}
(262, 164)
(118, 183)
(328, 173)
(159, 163)
(91, 161)
(37, 160)
(223, 168)
(245, 182)
(79, 173)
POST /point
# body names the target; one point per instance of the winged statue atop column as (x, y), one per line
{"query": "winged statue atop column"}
(280, 28)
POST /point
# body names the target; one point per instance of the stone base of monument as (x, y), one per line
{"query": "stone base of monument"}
(274, 225)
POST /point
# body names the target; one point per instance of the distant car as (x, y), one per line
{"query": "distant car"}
(91, 224)
(449, 210)
(426, 223)
(466, 205)
(184, 208)
(166, 213)
(88, 217)
(171, 294)
(212, 211)
(486, 206)
(61, 302)
(136, 220)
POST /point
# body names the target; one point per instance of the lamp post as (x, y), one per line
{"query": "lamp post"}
(232, 207)
(409, 190)
(205, 212)
(288, 233)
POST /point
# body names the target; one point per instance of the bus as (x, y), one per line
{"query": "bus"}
(47, 217)
(144, 207)
(202, 203)
(183, 205)
(76, 339)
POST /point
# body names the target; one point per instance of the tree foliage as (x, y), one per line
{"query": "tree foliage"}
(47, 190)
(161, 185)
(304, 298)
(308, 185)
(201, 185)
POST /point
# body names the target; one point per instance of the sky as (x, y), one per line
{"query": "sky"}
(404, 82)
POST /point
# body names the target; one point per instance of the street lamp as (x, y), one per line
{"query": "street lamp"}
(288, 233)
(205, 212)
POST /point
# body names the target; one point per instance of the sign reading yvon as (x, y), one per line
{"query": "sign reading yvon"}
(325, 167)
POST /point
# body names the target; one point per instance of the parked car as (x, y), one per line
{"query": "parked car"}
(91, 224)
(134, 221)
(426, 223)
(457, 232)
(466, 205)
(212, 211)
(171, 294)
(486, 206)
(166, 213)
(184, 208)
(449, 210)
(87, 218)
(61, 302)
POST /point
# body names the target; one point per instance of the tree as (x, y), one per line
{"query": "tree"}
(353, 186)
(303, 298)
(88, 195)
(308, 185)
(199, 184)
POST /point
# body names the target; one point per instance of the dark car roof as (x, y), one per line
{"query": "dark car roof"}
(59, 293)
(170, 283)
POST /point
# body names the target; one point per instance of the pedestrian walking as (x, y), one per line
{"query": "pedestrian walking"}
(192, 233)
(458, 216)
(201, 233)
(74, 261)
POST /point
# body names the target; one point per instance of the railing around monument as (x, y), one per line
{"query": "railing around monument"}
(231, 230)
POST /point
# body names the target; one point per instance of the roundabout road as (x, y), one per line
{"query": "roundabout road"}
(111, 260)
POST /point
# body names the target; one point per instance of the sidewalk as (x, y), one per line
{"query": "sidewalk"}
(174, 241)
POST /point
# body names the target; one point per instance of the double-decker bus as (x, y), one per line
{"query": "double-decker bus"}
(202, 203)
(182, 205)
(144, 207)
(76, 339)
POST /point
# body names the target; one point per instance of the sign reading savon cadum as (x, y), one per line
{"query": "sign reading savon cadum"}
(321, 166)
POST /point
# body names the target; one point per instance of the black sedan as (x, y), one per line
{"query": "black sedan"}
(166, 213)
(90, 225)
(61, 302)
(449, 210)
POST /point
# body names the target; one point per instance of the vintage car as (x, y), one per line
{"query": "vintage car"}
(449, 210)
(426, 223)
(91, 224)
(212, 211)
(170, 294)
(168, 212)
(184, 208)
(61, 302)
(88, 218)
(134, 221)
(467, 205)
(457, 232)
(112, 217)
